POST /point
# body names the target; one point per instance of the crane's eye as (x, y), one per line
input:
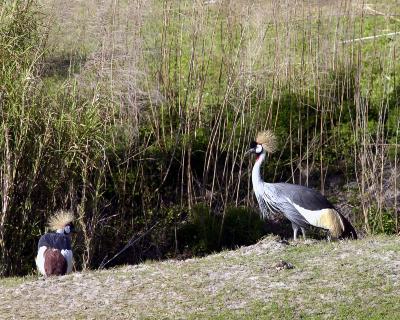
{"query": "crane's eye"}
(259, 148)
(253, 145)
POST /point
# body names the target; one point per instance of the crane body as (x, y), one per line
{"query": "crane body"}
(54, 255)
(301, 205)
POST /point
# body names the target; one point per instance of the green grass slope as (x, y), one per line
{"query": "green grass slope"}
(341, 280)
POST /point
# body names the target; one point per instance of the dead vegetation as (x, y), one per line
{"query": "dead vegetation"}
(350, 279)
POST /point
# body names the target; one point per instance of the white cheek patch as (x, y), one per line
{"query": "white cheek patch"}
(259, 148)
(67, 229)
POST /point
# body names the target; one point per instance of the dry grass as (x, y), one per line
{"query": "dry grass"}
(104, 40)
(357, 279)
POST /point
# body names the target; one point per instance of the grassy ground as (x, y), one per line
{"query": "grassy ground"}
(341, 280)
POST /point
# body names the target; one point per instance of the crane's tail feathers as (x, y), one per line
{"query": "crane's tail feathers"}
(336, 223)
(331, 220)
(349, 231)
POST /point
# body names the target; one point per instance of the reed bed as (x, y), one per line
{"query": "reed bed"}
(136, 112)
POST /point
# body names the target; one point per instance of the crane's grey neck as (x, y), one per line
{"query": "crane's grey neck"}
(256, 173)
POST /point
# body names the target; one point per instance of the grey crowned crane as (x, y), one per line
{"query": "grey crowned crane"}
(303, 206)
(54, 256)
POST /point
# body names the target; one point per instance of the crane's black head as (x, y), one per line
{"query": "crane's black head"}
(255, 148)
(69, 228)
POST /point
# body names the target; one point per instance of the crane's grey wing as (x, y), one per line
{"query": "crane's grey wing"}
(276, 196)
(304, 197)
(294, 216)
(54, 240)
(314, 208)
(304, 206)
(265, 208)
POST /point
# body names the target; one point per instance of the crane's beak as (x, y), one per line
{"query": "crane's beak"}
(252, 150)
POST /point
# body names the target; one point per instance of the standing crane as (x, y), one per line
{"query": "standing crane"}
(54, 248)
(303, 206)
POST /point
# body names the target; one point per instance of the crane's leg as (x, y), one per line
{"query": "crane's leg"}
(303, 231)
(295, 228)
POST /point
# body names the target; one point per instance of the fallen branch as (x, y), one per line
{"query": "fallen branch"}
(131, 242)
(371, 37)
(368, 8)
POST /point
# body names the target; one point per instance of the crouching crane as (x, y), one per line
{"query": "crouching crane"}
(303, 206)
(54, 256)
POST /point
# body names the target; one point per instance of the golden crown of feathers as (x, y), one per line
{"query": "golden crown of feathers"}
(268, 140)
(60, 219)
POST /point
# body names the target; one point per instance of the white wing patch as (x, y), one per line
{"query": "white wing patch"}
(40, 260)
(326, 218)
(68, 256)
(312, 216)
